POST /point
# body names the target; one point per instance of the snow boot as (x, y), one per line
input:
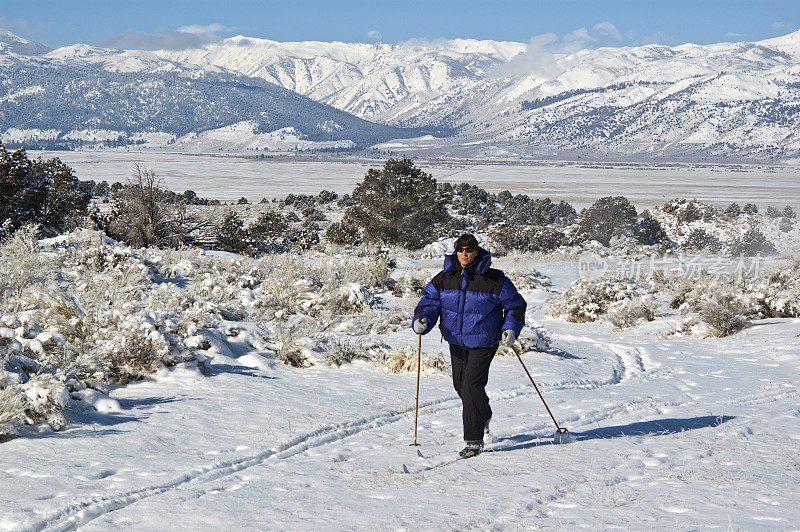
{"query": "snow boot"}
(473, 448)
(487, 434)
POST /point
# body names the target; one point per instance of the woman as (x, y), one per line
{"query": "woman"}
(479, 308)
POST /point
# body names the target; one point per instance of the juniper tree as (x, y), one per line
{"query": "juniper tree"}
(22, 192)
(232, 235)
(67, 199)
(608, 217)
(397, 204)
(46, 193)
(270, 231)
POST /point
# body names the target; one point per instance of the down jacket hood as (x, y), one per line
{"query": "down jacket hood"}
(483, 261)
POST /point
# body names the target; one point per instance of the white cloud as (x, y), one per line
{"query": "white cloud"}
(544, 54)
(375, 35)
(209, 31)
(538, 59)
(579, 36)
(425, 43)
(184, 37)
(784, 27)
(608, 29)
(733, 34)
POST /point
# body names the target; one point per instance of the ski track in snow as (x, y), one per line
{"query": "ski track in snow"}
(627, 363)
(630, 362)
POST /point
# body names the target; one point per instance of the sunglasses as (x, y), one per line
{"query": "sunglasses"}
(466, 250)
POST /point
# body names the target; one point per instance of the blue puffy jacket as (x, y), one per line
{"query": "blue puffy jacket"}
(474, 309)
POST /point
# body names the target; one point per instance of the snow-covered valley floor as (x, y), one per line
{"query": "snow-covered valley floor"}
(229, 178)
(671, 433)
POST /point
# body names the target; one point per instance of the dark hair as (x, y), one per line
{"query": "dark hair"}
(466, 240)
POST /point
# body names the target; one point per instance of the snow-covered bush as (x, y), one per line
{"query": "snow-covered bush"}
(733, 210)
(632, 311)
(722, 309)
(376, 321)
(293, 340)
(23, 265)
(104, 321)
(343, 351)
(135, 353)
(527, 279)
(225, 284)
(12, 408)
(751, 244)
(589, 300)
(687, 211)
(351, 298)
(722, 305)
(526, 238)
(781, 291)
(304, 237)
(411, 283)
(46, 396)
(700, 239)
(373, 270)
(725, 304)
(33, 399)
(343, 233)
(648, 231)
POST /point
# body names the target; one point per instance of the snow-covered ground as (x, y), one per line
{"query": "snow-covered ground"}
(229, 178)
(672, 432)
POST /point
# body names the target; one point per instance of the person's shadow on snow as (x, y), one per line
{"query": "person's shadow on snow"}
(656, 427)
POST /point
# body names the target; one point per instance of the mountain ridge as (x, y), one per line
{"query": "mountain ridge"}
(706, 101)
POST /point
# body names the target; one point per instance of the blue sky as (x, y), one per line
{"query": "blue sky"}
(561, 23)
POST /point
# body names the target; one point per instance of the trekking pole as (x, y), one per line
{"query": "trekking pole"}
(562, 434)
(416, 409)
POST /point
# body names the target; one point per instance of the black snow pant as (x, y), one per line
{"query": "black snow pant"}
(470, 375)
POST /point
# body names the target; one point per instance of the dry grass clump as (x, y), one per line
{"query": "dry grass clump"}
(404, 360)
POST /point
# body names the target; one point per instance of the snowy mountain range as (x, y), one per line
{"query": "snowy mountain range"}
(503, 99)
